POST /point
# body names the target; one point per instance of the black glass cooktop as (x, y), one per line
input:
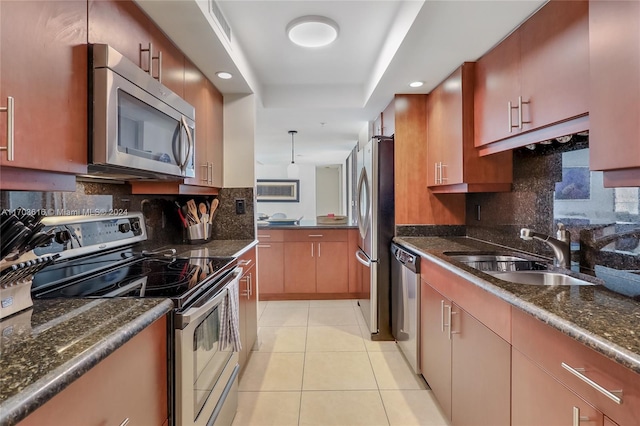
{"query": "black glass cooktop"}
(118, 274)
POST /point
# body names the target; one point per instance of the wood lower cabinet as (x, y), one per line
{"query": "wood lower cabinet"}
(308, 264)
(539, 399)
(49, 101)
(467, 365)
(534, 85)
(453, 162)
(614, 45)
(435, 346)
(248, 297)
(131, 383)
(533, 338)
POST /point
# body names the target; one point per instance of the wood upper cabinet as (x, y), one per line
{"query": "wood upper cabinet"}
(124, 26)
(536, 79)
(248, 298)
(207, 101)
(49, 101)
(539, 399)
(131, 383)
(614, 135)
(453, 162)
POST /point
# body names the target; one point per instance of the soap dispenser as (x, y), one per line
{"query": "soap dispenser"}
(563, 235)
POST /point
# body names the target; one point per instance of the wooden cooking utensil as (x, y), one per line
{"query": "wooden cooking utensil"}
(202, 208)
(214, 206)
(191, 205)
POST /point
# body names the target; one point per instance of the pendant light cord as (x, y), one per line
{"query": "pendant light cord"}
(292, 132)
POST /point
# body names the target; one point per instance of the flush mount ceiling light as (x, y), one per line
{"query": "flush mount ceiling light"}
(416, 84)
(293, 171)
(224, 75)
(312, 31)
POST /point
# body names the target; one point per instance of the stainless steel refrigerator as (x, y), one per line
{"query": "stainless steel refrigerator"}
(375, 206)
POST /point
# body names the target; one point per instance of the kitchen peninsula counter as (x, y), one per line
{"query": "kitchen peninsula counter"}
(217, 248)
(47, 347)
(599, 318)
(305, 224)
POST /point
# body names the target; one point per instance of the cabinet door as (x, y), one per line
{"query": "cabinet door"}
(435, 345)
(50, 101)
(131, 383)
(555, 63)
(170, 67)
(444, 132)
(271, 268)
(300, 271)
(538, 399)
(614, 43)
(195, 92)
(481, 373)
(332, 267)
(497, 84)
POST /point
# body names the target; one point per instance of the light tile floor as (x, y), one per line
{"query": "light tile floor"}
(316, 365)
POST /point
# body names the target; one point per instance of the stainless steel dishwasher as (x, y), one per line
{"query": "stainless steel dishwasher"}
(405, 303)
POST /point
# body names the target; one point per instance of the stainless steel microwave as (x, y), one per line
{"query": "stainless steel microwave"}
(139, 129)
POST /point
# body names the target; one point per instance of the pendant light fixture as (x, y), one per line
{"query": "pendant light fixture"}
(293, 171)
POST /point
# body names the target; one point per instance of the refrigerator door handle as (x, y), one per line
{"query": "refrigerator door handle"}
(363, 259)
(363, 217)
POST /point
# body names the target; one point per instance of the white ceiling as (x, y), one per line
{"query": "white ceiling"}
(329, 94)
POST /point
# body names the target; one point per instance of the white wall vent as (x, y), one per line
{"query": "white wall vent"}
(217, 15)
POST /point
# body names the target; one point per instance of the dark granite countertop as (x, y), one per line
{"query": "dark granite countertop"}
(45, 348)
(601, 319)
(222, 248)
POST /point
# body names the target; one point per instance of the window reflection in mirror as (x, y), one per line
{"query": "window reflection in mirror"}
(582, 202)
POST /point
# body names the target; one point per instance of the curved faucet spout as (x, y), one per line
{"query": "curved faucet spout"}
(561, 249)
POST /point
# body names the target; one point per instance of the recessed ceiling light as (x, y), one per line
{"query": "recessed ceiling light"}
(312, 31)
(224, 75)
(416, 84)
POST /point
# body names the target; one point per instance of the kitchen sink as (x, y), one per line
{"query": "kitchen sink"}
(489, 262)
(539, 278)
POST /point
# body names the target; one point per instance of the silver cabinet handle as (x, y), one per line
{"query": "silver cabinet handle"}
(159, 59)
(576, 417)
(520, 122)
(318, 249)
(316, 235)
(264, 236)
(210, 173)
(509, 111)
(614, 395)
(264, 246)
(244, 262)
(10, 110)
(247, 292)
(142, 51)
(125, 422)
(205, 179)
(442, 316)
(250, 278)
(311, 249)
(442, 178)
(435, 173)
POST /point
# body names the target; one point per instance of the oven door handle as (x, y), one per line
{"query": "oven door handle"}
(192, 314)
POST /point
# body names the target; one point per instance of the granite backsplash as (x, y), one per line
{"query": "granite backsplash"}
(160, 212)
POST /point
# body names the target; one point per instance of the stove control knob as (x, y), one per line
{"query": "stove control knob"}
(124, 227)
(61, 237)
(135, 226)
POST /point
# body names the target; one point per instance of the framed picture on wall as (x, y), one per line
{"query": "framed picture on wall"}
(278, 190)
(575, 185)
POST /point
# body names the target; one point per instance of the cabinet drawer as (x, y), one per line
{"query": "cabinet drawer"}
(316, 235)
(266, 235)
(551, 349)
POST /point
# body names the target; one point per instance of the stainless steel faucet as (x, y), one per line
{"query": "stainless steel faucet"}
(561, 247)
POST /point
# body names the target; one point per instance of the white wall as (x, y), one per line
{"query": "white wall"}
(239, 140)
(329, 190)
(307, 205)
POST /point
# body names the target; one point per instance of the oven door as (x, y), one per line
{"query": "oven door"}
(205, 376)
(136, 130)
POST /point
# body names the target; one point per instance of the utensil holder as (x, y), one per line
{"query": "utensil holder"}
(199, 233)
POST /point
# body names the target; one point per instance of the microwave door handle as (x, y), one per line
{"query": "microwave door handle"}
(183, 123)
